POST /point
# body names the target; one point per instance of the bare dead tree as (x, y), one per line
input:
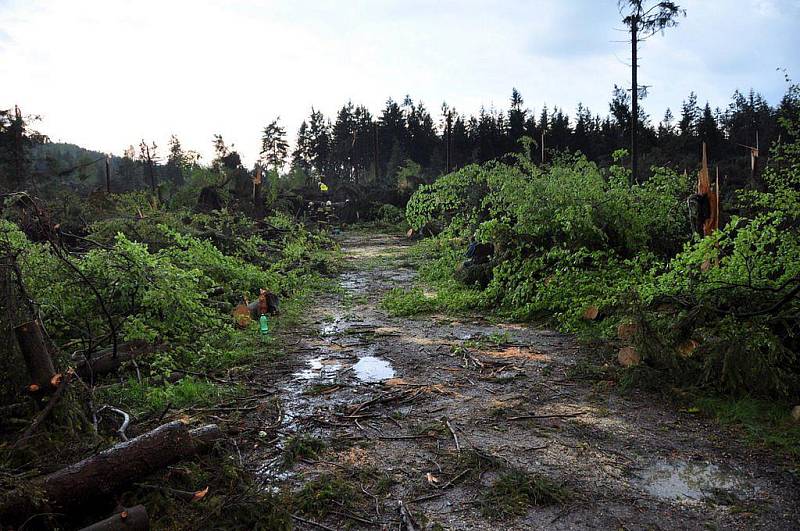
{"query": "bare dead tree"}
(643, 22)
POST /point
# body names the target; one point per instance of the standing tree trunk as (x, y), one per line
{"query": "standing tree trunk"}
(634, 102)
(108, 175)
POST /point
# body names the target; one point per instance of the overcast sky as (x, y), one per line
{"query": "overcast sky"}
(106, 73)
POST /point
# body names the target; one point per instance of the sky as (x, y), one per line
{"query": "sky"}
(105, 74)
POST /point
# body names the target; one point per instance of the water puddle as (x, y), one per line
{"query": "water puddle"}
(371, 369)
(319, 368)
(682, 481)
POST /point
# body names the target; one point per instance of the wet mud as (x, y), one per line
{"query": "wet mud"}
(441, 407)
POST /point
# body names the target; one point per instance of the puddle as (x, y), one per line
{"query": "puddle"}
(319, 368)
(681, 481)
(372, 369)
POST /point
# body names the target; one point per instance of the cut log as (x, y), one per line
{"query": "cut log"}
(104, 361)
(626, 331)
(30, 339)
(132, 519)
(591, 313)
(628, 357)
(68, 489)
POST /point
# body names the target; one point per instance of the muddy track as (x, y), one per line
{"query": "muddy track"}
(432, 411)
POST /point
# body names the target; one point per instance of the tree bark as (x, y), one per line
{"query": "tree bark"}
(104, 361)
(70, 488)
(634, 103)
(35, 352)
(132, 519)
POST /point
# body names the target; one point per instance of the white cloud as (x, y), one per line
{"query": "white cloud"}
(106, 73)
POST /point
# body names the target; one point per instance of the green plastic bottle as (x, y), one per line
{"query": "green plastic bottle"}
(263, 325)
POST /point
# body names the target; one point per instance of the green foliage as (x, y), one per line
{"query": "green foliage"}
(400, 302)
(301, 447)
(390, 214)
(516, 491)
(325, 493)
(569, 235)
(762, 422)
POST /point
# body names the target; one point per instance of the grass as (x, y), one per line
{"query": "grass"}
(143, 399)
(301, 447)
(328, 492)
(516, 491)
(760, 422)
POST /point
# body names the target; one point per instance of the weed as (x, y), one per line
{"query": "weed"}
(761, 422)
(327, 492)
(515, 491)
(301, 447)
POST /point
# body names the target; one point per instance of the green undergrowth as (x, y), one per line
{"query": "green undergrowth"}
(170, 278)
(301, 447)
(515, 492)
(586, 249)
(761, 423)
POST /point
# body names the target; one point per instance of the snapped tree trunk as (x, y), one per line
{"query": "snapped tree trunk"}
(36, 354)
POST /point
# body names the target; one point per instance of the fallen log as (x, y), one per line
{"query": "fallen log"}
(68, 489)
(105, 362)
(30, 339)
(133, 519)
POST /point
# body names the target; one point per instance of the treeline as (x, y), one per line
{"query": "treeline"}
(407, 136)
(404, 145)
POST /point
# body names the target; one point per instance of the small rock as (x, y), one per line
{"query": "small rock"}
(628, 357)
(796, 413)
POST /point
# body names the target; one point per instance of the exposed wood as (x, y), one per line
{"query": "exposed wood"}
(453, 433)
(564, 416)
(408, 522)
(134, 519)
(51, 404)
(30, 339)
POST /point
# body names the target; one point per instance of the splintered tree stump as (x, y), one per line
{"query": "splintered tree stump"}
(133, 519)
(70, 488)
(36, 354)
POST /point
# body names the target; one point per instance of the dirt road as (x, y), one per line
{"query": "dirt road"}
(467, 422)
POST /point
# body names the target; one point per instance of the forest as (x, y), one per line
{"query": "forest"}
(410, 319)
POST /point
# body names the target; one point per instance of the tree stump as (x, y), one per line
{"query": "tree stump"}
(30, 339)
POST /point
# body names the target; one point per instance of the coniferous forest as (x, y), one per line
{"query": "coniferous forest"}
(410, 317)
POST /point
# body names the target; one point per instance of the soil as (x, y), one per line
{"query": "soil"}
(432, 405)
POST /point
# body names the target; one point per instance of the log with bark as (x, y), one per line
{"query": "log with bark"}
(105, 362)
(68, 489)
(132, 519)
(33, 346)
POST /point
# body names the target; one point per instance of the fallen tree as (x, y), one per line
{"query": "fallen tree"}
(70, 488)
(105, 361)
(134, 519)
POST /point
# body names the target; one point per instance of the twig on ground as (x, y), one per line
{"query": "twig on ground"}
(406, 517)
(312, 523)
(453, 432)
(126, 419)
(564, 416)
